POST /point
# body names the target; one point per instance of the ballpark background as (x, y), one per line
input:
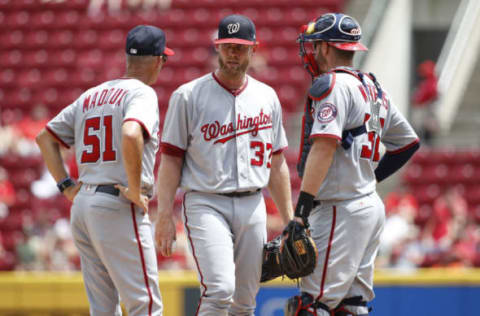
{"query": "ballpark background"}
(425, 52)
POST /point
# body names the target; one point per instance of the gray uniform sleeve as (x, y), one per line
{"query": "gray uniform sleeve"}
(175, 128)
(280, 139)
(142, 107)
(329, 114)
(62, 126)
(398, 133)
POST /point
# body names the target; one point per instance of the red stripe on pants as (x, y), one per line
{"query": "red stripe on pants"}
(330, 240)
(140, 249)
(194, 256)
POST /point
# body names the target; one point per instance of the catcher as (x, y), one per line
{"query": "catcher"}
(347, 115)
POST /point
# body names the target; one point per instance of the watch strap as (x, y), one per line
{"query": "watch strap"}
(65, 183)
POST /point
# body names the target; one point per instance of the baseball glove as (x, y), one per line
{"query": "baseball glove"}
(272, 260)
(299, 253)
(293, 254)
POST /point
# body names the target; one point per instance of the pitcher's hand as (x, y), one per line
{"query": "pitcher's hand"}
(165, 234)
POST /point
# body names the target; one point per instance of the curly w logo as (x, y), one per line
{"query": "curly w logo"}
(233, 28)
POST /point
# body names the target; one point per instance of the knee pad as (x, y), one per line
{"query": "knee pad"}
(352, 306)
(301, 305)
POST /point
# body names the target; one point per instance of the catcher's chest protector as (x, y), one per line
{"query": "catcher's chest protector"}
(305, 145)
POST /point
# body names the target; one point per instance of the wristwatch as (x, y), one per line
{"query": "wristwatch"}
(65, 183)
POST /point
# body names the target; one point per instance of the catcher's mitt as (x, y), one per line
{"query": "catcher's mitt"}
(272, 261)
(299, 253)
(296, 258)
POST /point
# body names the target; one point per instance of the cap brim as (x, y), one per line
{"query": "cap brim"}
(234, 41)
(349, 46)
(169, 52)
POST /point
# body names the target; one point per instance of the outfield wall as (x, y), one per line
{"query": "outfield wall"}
(426, 292)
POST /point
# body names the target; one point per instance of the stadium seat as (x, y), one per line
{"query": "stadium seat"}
(8, 78)
(11, 58)
(62, 38)
(91, 58)
(86, 39)
(111, 39)
(17, 20)
(29, 78)
(463, 174)
(424, 212)
(35, 59)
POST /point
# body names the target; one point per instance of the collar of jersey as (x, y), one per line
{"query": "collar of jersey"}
(234, 92)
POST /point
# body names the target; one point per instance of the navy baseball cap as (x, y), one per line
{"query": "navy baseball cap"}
(147, 40)
(236, 29)
(339, 30)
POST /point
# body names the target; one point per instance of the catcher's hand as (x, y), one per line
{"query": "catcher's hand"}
(299, 253)
(293, 254)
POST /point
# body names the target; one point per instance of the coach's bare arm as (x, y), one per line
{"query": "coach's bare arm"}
(132, 153)
(50, 148)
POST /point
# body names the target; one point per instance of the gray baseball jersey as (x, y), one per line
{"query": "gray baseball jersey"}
(227, 139)
(347, 223)
(94, 122)
(346, 107)
(113, 236)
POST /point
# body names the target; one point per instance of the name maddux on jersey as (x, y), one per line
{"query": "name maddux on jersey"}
(113, 96)
(222, 133)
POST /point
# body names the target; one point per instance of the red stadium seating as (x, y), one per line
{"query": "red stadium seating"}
(50, 52)
(432, 173)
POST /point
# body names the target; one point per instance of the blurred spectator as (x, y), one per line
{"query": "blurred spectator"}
(448, 238)
(45, 244)
(115, 6)
(7, 259)
(410, 253)
(28, 128)
(399, 231)
(424, 97)
(444, 229)
(46, 187)
(26, 258)
(7, 193)
(95, 6)
(7, 135)
(449, 218)
(159, 4)
(30, 125)
(62, 252)
(465, 250)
